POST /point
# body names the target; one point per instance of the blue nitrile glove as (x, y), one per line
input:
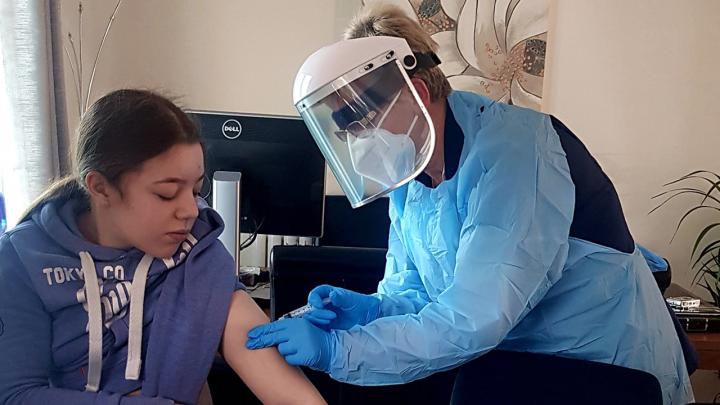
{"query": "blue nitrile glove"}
(298, 340)
(345, 309)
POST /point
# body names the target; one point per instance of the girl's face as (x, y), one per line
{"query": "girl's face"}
(157, 208)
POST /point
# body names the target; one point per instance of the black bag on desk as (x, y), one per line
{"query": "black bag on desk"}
(351, 255)
(705, 318)
(298, 269)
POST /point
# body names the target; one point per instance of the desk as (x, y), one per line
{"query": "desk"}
(707, 344)
(708, 348)
(260, 292)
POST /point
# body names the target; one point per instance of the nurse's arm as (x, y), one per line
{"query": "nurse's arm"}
(512, 248)
(401, 290)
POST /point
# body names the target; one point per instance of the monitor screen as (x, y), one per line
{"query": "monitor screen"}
(283, 173)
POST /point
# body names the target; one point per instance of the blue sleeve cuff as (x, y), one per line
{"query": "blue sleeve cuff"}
(654, 261)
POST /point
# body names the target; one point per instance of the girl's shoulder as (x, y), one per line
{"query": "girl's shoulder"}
(15, 238)
(24, 247)
(12, 248)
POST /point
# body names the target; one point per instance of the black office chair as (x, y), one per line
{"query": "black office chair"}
(504, 377)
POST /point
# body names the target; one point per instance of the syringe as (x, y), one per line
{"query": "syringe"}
(297, 313)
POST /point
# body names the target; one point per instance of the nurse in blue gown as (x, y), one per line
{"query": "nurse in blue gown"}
(505, 232)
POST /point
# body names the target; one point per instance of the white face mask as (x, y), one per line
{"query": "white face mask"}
(382, 156)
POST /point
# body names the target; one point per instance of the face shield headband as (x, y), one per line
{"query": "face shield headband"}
(371, 125)
(344, 116)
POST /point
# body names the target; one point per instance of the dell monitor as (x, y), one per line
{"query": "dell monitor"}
(282, 189)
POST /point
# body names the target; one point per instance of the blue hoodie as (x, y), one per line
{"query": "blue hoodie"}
(76, 328)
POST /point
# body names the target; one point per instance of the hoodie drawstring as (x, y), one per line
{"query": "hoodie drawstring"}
(137, 300)
(92, 294)
(95, 321)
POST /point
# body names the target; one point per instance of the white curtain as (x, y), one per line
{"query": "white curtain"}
(33, 144)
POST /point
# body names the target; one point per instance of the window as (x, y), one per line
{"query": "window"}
(7, 157)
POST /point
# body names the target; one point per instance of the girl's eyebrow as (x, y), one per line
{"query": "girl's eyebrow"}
(177, 180)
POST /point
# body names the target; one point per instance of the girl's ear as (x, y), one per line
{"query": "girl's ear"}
(422, 90)
(99, 188)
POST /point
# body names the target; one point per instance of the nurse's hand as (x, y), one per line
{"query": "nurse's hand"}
(338, 308)
(299, 341)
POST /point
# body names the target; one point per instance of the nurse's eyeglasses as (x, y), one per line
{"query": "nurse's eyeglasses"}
(360, 124)
(356, 128)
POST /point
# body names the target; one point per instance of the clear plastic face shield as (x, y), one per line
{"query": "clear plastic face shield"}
(372, 128)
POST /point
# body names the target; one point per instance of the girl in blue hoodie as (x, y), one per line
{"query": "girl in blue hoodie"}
(114, 288)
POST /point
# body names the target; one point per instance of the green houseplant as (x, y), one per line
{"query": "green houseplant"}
(705, 256)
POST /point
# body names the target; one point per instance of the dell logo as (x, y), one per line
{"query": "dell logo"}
(231, 129)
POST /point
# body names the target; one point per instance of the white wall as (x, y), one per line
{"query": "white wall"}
(217, 55)
(223, 55)
(638, 82)
(635, 79)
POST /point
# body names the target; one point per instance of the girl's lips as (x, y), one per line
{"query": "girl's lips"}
(178, 236)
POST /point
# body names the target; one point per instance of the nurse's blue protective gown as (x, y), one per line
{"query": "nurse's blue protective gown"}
(487, 260)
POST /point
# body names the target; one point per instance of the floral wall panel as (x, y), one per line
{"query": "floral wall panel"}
(492, 47)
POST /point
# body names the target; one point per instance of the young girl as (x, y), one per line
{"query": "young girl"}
(114, 287)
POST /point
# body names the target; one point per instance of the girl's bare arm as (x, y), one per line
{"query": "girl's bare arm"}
(264, 371)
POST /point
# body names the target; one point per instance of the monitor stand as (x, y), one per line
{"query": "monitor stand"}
(226, 201)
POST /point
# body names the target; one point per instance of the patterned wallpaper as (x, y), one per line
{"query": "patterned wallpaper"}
(493, 47)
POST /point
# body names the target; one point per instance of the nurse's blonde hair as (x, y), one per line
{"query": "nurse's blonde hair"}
(388, 20)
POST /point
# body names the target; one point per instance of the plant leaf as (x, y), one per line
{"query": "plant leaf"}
(692, 175)
(706, 250)
(680, 191)
(687, 214)
(97, 56)
(709, 192)
(704, 270)
(702, 235)
(74, 75)
(714, 292)
(688, 189)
